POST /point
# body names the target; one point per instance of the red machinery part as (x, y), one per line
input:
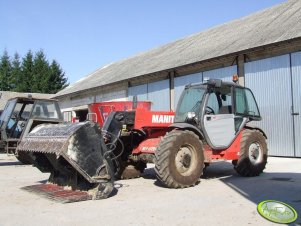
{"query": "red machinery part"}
(75, 119)
(155, 124)
(153, 119)
(103, 109)
(231, 153)
(148, 146)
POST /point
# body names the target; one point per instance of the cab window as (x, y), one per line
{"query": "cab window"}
(220, 101)
(45, 109)
(245, 103)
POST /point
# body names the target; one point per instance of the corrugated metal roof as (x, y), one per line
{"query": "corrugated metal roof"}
(279, 23)
(6, 95)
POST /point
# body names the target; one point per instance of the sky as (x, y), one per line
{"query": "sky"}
(83, 36)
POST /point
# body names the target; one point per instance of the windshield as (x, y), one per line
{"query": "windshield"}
(46, 109)
(190, 102)
(9, 107)
(15, 115)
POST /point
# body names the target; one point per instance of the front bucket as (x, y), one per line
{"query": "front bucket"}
(74, 154)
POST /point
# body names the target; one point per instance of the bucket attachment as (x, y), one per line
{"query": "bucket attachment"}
(74, 154)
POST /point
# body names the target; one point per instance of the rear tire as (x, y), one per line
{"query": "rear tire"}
(253, 154)
(179, 160)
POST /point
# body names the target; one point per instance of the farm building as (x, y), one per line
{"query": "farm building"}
(264, 49)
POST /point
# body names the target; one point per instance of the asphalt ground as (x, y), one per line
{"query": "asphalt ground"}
(221, 198)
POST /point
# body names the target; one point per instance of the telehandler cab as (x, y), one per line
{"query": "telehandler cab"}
(211, 123)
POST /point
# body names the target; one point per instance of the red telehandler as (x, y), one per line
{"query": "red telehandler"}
(211, 123)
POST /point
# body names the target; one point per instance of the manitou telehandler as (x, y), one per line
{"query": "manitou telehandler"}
(211, 123)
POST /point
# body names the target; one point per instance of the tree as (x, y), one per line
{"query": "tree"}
(26, 78)
(33, 74)
(5, 72)
(41, 73)
(57, 79)
(16, 72)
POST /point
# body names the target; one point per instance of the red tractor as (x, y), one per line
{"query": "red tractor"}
(211, 123)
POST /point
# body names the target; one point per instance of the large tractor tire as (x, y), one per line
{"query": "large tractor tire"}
(253, 154)
(179, 160)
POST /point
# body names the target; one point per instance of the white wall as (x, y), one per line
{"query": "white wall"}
(156, 92)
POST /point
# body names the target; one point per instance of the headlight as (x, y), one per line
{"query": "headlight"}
(191, 115)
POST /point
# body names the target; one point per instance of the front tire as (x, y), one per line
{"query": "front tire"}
(253, 154)
(179, 160)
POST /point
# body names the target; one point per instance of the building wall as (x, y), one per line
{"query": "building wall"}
(156, 92)
(269, 80)
(275, 83)
(296, 81)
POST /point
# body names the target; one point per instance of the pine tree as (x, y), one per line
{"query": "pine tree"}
(57, 80)
(5, 72)
(16, 73)
(26, 78)
(41, 73)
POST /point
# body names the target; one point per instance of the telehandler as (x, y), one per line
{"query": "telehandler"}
(211, 123)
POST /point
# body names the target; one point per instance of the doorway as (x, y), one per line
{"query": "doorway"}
(81, 115)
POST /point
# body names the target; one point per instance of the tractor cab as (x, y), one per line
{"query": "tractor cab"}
(218, 110)
(20, 116)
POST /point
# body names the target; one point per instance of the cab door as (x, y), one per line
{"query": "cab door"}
(219, 119)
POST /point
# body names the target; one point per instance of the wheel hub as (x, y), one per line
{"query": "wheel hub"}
(255, 153)
(184, 160)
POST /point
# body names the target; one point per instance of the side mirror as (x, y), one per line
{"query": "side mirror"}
(253, 117)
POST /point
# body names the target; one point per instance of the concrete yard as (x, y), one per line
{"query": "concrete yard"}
(222, 198)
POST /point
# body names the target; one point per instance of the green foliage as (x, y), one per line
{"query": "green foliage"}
(15, 72)
(40, 75)
(33, 74)
(5, 72)
(26, 73)
(57, 76)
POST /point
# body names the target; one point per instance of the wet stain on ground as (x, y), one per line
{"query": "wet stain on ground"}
(282, 179)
